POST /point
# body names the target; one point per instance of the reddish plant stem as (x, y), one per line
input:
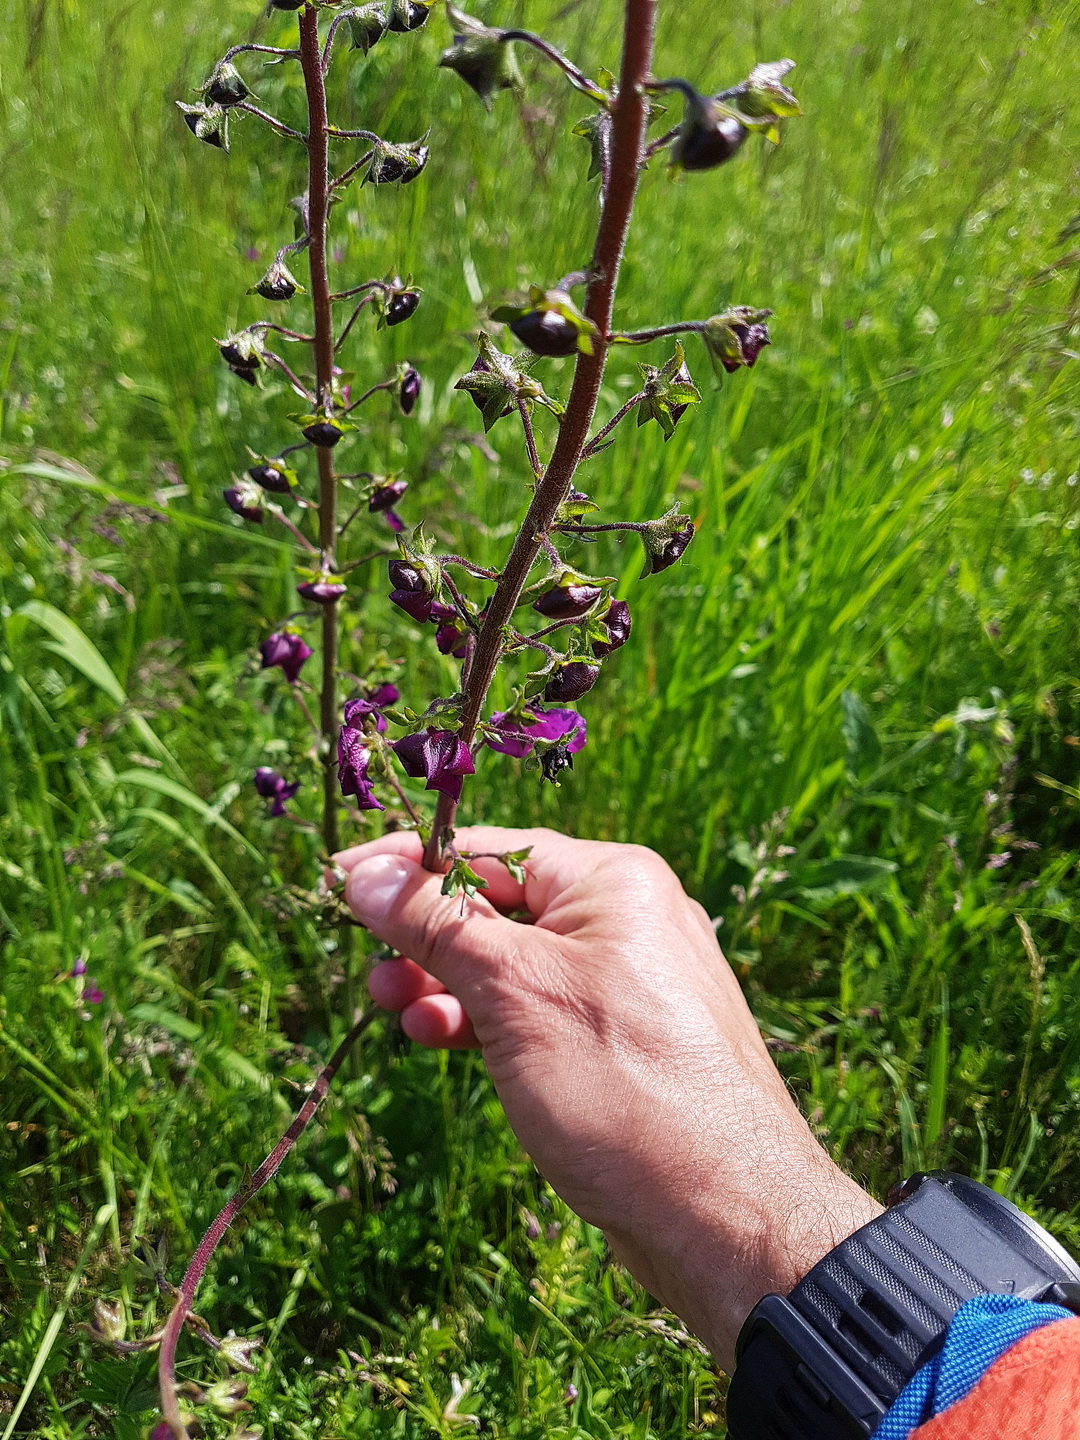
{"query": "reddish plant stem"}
(170, 1408)
(318, 147)
(629, 118)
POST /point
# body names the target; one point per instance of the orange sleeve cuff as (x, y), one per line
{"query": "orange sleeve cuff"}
(1031, 1393)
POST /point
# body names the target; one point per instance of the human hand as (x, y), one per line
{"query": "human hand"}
(625, 1056)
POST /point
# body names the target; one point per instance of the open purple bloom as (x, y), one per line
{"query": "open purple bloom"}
(450, 639)
(274, 787)
(438, 756)
(287, 650)
(357, 711)
(537, 724)
(615, 622)
(354, 757)
(385, 497)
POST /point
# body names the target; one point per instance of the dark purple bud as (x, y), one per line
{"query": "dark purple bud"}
(285, 5)
(401, 306)
(353, 760)
(384, 695)
(615, 622)
(286, 649)
(536, 723)
(239, 356)
(438, 756)
(324, 433)
(546, 332)
(566, 602)
(271, 478)
(243, 373)
(278, 283)
(385, 497)
(416, 603)
(392, 163)
(670, 550)
(409, 393)
(451, 640)
(245, 501)
(404, 576)
(272, 786)
(323, 591)
(571, 680)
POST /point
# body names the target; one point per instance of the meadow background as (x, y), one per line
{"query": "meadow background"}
(850, 719)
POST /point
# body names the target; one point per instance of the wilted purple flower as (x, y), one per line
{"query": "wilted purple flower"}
(323, 591)
(615, 622)
(536, 723)
(567, 602)
(288, 650)
(385, 497)
(670, 550)
(571, 680)
(354, 758)
(409, 392)
(245, 500)
(274, 787)
(415, 603)
(438, 756)
(736, 337)
(450, 640)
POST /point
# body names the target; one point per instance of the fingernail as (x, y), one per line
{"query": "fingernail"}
(375, 886)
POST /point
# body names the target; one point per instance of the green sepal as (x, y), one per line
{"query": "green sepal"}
(462, 878)
(669, 390)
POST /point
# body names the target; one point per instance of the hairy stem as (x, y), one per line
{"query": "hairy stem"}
(629, 117)
(170, 1408)
(318, 197)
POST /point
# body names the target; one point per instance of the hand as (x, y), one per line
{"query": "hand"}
(625, 1056)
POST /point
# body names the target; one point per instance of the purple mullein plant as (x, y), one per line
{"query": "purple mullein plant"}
(582, 622)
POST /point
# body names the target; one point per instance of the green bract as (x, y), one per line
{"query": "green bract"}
(669, 392)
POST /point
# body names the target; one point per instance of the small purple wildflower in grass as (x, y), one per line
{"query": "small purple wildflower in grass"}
(439, 757)
(288, 651)
(537, 724)
(354, 757)
(274, 787)
(91, 993)
(79, 968)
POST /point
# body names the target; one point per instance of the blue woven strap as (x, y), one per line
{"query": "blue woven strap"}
(981, 1331)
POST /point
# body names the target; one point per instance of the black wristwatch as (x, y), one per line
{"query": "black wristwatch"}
(828, 1361)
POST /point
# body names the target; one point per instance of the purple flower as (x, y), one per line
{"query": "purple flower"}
(357, 711)
(670, 550)
(385, 497)
(571, 680)
(415, 603)
(536, 723)
(409, 392)
(79, 968)
(443, 614)
(274, 787)
(615, 622)
(404, 576)
(567, 602)
(354, 758)
(438, 756)
(450, 640)
(384, 695)
(92, 992)
(245, 500)
(394, 520)
(286, 649)
(323, 591)
(271, 477)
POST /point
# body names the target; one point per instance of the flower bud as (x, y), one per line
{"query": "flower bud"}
(324, 591)
(367, 23)
(480, 57)
(711, 138)
(278, 479)
(416, 604)
(286, 650)
(274, 787)
(405, 576)
(226, 85)
(209, 123)
(385, 497)
(277, 283)
(406, 15)
(324, 432)
(571, 680)
(668, 550)
(737, 336)
(245, 499)
(567, 600)
(669, 392)
(108, 1324)
(615, 623)
(392, 163)
(488, 392)
(398, 304)
(240, 352)
(550, 325)
(409, 392)
(451, 639)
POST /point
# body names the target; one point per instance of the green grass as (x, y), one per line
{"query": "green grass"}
(868, 656)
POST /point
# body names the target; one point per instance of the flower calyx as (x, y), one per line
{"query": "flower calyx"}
(480, 56)
(762, 98)
(237, 1350)
(209, 123)
(367, 25)
(245, 498)
(409, 15)
(396, 164)
(550, 324)
(278, 283)
(226, 86)
(736, 337)
(665, 540)
(497, 382)
(575, 507)
(669, 392)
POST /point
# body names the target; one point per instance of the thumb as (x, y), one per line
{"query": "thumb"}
(459, 941)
